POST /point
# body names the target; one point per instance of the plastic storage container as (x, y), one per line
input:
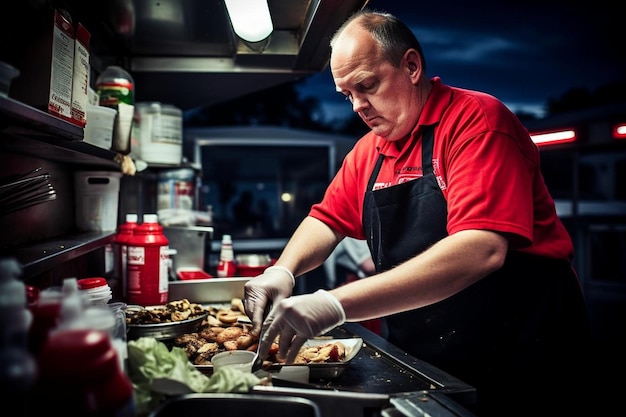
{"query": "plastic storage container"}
(97, 198)
(176, 189)
(115, 85)
(160, 133)
(99, 127)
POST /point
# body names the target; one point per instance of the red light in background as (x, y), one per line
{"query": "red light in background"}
(619, 131)
(553, 138)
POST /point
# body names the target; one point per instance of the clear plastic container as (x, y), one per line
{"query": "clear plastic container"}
(160, 128)
(115, 85)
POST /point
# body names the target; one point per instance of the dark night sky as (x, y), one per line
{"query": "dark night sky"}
(523, 52)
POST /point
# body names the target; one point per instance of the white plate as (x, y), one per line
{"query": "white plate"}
(319, 370)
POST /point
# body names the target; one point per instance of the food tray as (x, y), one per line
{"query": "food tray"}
(324, 370)
(164, 331)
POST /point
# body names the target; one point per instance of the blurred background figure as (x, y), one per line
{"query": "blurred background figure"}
(351, 260)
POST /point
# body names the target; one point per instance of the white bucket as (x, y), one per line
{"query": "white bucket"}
(97, 196)
(99, 127)
(160, 130)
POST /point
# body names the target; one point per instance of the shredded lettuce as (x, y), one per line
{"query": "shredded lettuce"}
(149, 358)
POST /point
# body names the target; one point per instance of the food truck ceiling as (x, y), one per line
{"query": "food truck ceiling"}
(186, 52)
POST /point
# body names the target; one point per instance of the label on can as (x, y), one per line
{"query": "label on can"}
(148, 280)
(175, 194)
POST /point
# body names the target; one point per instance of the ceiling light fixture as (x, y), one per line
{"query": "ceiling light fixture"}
(251, 21)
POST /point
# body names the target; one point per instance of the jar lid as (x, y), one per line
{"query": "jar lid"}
(94, 282)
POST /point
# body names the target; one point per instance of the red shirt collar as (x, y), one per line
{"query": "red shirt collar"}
(438, 100)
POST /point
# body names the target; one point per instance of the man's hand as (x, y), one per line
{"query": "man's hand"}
(265, 290)
(298, 318)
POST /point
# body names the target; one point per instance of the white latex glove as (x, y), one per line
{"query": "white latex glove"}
(298, 318)
(265, 290)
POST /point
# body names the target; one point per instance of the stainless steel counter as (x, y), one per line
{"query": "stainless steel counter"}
(381, 373)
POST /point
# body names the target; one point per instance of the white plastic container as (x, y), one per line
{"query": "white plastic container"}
(160, 128)
(241, 360)
(99, 127)
(97, 198)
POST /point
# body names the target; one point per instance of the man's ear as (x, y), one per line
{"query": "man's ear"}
(413, 64)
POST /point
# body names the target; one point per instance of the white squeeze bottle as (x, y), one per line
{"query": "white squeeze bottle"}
(18, 368)
(226, 266)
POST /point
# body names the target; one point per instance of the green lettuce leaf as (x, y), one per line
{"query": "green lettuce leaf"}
(149, 359)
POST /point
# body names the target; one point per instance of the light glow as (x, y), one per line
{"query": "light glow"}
(251, 19)
(553, 138)
(619, 131)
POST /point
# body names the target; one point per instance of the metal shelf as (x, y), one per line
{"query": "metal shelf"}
(40, 257)
(30, 131)
(34, 132)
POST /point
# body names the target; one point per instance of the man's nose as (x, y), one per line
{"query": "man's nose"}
(359, 104)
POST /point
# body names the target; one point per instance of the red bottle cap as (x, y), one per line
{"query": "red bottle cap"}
(86, 283)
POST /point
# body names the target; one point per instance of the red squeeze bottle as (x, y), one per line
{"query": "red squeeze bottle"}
(80, 375)
(148, 279)
(122, 238)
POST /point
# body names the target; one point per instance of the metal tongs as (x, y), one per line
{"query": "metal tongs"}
(257, 363)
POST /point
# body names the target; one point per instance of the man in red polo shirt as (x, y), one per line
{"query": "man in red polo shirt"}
(473, 264)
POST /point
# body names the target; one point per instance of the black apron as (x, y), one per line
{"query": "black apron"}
(501, 330)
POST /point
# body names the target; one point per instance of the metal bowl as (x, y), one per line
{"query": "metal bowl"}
(164, 331)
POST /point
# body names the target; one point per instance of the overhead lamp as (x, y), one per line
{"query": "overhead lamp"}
(251, 21)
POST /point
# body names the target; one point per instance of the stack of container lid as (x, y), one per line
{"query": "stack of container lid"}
(96, 290)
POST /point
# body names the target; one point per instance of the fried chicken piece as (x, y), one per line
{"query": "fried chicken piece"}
(205, 353)
(178, 305)
(331, 352)
(180, 315)
(245, 341)
(230, 345)
(183, 339)
(193, 346)
(211, 333)
(229, 333)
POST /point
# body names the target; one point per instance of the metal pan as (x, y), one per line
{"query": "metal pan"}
(165, 331)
